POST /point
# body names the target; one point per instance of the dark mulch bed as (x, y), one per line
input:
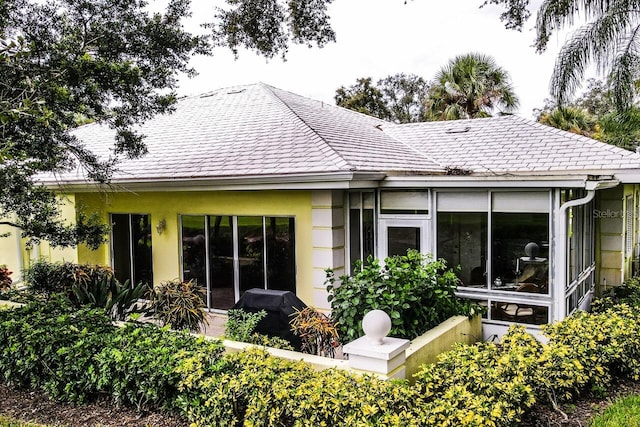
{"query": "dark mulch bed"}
(36, 407)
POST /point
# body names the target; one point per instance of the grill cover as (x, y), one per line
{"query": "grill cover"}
(279, 305)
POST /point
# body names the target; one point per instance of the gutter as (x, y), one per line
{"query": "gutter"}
(561, 273)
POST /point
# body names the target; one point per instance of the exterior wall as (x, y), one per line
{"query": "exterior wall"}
(10, 251)
(328, 228)
(168, 206)
(17, 256)
(609, 218)
(427, 347)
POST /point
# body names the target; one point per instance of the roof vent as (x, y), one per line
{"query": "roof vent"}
(459, 130)
(234, 92)
(207, 95)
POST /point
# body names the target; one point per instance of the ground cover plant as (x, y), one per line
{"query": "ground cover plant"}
(416, 291)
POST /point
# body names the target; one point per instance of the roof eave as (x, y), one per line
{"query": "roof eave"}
(309, 181)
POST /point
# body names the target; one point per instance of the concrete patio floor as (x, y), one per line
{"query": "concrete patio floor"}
(216, 326)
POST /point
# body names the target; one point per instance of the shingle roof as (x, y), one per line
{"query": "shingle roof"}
(511, 144)
(261, 131)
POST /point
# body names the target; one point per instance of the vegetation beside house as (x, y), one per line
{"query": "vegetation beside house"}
(75, 355)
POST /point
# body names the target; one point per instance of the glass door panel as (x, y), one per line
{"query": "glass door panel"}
(401, 239)
(221, 272)
(251, 252)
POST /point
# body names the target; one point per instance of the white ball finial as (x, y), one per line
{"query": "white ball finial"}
(376, 324)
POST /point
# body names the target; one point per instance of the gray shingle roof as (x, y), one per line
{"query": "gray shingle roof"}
(261, 131)
(511, 144)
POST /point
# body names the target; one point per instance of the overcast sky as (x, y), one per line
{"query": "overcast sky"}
(377, 38)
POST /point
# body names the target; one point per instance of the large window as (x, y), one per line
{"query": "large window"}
(499, 242)
(131, 248)
(231, 254)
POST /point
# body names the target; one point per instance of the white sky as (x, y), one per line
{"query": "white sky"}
(377, 38)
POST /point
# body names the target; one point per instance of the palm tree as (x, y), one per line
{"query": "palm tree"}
(470, 86)
(571, 119)
(610, 40)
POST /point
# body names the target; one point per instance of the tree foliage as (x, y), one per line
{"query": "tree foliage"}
(594, 114)
(399, 98)
(470, 86)
(608, 39)
(66, 62)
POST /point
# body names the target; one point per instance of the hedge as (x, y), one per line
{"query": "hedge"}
(77, 355)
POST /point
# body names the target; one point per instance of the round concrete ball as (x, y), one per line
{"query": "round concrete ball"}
(376, 324)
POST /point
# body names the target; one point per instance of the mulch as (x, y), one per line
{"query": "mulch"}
(34, 406)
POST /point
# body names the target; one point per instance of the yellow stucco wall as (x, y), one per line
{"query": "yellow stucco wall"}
(10, 251)
(169, 206)
(16, 255)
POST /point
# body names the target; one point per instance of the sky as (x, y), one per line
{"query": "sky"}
(377, 38)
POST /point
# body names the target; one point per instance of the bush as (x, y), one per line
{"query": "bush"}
(415, 291)
(241, 325)
(142, 365)
(51, 347)
(482, 384)
(586, 349)
(48, 278)
(318, 333)
(179, 304)
(627, 293)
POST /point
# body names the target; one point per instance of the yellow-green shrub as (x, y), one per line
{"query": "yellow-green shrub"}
(484, 384)
(585, 349)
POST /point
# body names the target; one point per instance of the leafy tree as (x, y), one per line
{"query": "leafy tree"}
(66, 62)
(399, 98)
(363, 97)
(470, 86)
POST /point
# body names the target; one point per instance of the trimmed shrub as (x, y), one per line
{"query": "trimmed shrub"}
(415, 291)
(260, 390)
(482, 384)
(585, 350)
(51, 347)
(142, 365)
(178, 304)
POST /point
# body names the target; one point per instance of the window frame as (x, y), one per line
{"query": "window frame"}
(236, 253)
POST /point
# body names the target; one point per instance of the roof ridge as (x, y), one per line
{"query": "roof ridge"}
(342, 162)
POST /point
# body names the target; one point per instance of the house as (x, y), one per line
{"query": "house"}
(253, 186)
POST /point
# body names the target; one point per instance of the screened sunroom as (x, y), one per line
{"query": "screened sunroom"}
(527, 255)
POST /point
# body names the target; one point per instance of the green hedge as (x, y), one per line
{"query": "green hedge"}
(77, 355)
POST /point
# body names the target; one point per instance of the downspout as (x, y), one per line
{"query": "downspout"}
(561, 239)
